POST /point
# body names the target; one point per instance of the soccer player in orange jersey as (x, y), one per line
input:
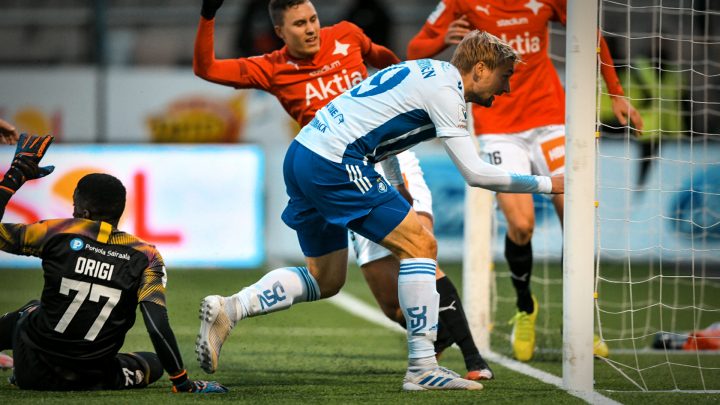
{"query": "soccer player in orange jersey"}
(524, 131)
(316, 65)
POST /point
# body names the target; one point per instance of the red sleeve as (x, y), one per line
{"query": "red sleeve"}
(560, 11)
(430, 41)
(253, 72)
(607, 68)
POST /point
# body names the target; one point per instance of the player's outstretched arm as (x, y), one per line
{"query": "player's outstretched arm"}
(621, 106)
(478, 173)
(439, 31)
(25, 166)
(210, 7)
(163, 340)
(238, 73)
(8, 133)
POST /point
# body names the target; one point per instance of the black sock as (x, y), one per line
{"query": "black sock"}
(452, 317)
(520, 260)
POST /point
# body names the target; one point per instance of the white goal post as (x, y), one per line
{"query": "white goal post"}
(581, 84)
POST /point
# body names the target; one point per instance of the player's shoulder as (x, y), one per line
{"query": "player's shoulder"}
(122, 238)
(276, 57)
(74, 226)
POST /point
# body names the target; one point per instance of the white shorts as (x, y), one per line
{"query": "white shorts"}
(367, 251)
(539, 151)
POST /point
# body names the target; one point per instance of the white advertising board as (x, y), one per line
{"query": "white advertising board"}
(202, 206)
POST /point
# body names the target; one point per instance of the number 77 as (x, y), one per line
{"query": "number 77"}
(96, 291)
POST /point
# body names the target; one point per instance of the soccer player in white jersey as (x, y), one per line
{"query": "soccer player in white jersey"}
(333, 186)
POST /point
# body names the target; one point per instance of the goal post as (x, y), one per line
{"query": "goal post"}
(477, 264)
(578, 232)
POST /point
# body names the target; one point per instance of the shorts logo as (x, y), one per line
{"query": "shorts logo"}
(133, 378)
(77, 244)
(418, 319)
(381, 186)
(355, 175)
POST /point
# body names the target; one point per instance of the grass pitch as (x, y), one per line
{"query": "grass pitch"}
(309, 354)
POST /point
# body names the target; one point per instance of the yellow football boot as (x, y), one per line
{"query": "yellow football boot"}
(523, 333)
(600, 348)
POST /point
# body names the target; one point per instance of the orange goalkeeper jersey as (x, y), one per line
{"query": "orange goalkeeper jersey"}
(302, 86)
(536, 95)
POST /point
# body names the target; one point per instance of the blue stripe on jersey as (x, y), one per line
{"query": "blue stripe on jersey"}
(403, 143)
(397, 134)
(530, 183)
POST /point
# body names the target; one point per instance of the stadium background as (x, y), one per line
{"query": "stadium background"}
(119, 72)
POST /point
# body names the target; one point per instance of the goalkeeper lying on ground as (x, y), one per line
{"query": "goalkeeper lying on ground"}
(95, 277)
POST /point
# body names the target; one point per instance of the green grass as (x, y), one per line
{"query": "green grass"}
(311, 353)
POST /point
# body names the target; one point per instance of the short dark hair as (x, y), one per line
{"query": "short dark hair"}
(277, 8)
(101, 194)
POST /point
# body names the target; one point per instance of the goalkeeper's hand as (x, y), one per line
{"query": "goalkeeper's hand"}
(200, 387)
(25, 166)
(8, 133)
(209, 8)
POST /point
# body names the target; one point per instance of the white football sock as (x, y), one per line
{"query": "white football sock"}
(275, 291)
(419, 302)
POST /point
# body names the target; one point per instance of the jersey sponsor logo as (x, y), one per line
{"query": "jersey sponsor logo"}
(512, 21)
(104, 252)
(94, 268)
(325, 68)
(524, 43)
(77, 244)
(426, 68)
(418, 320)
(436, 13)
(382, 81)
(321, 89)
(315, 123)
(335, 113)
(485, 9)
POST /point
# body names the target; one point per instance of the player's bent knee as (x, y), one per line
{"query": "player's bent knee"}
(521, 232)
(139, 369)
(330, 286)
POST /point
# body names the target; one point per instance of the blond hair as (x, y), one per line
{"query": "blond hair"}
(481, 46)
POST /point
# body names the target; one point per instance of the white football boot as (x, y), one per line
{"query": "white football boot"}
(436, 378)
(215, 326)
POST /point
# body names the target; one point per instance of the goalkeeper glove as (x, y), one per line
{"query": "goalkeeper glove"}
(209, 8)
(25, 166)
(181, 383)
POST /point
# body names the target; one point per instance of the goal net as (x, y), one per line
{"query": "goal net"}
(657, 221)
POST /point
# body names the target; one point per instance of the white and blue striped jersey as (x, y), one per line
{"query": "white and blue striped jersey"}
(389, 112)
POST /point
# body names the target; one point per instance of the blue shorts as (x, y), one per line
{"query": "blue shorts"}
(327, 198)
